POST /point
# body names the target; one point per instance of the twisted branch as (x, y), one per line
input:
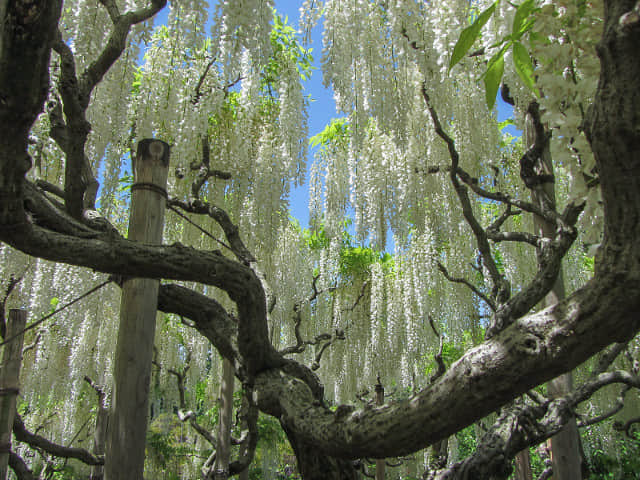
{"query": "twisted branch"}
(71, 133)
(39, 442)
(468, 284)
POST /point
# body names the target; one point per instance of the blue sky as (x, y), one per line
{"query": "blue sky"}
(322, 108)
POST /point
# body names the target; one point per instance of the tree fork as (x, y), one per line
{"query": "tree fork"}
(126, 435)
(313, 464)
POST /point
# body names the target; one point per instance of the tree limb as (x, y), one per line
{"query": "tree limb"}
(468, 284)
(19, 467)
(501, 288)
(37, 441)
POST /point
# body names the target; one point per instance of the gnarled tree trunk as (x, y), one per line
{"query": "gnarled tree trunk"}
(315, 465)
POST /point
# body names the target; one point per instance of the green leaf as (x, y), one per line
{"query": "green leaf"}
(493, 77)
(54, 302)
(524, 67)
(522, 13)
(506, 123)
(469, 36)
(535, 37)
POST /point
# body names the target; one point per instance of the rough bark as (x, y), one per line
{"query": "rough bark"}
(314, 464)
(20, 468)
(521, 425)
(531, 351)
(27, 35)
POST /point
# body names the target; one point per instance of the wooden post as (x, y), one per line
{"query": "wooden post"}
(100, 434)
(565, 446)
(380, 463)
(9, 383)
(126, 434)
(523, 465)
(223, 451)
(244, 448)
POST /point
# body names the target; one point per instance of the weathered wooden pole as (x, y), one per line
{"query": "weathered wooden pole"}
(523, 465)
(565, 446)
(223, 450)
(9, 383)
(380, 463)
(126, 434)
(100, 434)
(244, 448)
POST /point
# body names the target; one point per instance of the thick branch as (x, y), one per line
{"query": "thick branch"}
(71, 135)
(112, 9)
(115, 45)
(438, 356)
(50, 214)
(549, 263)
(37, 441)
(80, 184)
(13, 283)
(531, 351)
(222, 218)
(26, 36)
(209, 317)
(19, 467)
(522, 426)
(110, 254)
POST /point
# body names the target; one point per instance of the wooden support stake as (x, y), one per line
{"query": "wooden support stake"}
(565, 446)
(126, 435)
(9, 383)
(380, 463)
(223, 450)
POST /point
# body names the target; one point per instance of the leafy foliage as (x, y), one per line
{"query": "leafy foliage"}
(523, 22)
(469, 35)
(287, 52)
(619, 463)
(337, 130)
(354, 260)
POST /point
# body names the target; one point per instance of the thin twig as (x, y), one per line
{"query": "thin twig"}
(438, 356)
(501, 288)
(198, 93)
(468, 284)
